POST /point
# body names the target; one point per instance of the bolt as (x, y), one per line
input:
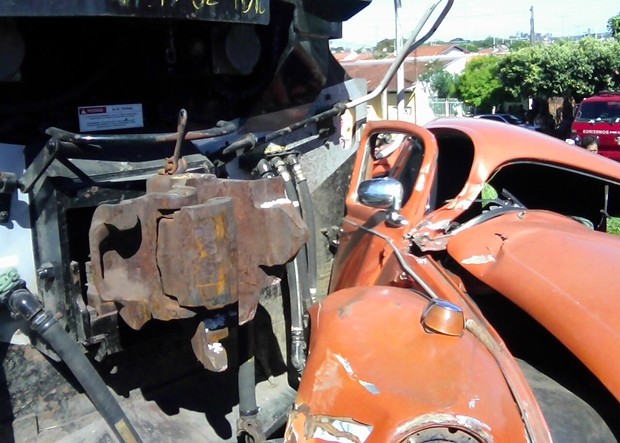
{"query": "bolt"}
(4, 216)
(46, 272)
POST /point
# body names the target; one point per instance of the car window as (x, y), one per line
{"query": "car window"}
(599, 110)
(454, 162)
(576, 194)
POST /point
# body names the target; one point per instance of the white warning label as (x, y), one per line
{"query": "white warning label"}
(104, 118)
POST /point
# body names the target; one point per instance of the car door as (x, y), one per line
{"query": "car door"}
(394, 149)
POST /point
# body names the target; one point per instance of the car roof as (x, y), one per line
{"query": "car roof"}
(603, 98)
(496, 145)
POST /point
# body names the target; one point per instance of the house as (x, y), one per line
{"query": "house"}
(415, 96)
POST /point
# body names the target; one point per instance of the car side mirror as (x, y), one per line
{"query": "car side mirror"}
(384, 193)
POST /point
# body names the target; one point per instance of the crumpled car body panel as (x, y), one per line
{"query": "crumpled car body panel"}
(389, 392)
(532, 248)
(559, 272)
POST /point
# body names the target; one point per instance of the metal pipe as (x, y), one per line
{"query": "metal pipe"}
(307, 213)
(250, 140)
(221, 128)
(410, 45)
(297, 281)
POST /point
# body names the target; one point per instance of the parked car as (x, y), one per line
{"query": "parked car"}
(504, 118)
(473, 295)
(599, 116)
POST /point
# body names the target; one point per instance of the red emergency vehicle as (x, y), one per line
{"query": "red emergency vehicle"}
(599, 116)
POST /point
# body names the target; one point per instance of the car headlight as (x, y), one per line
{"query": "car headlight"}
(445, 428)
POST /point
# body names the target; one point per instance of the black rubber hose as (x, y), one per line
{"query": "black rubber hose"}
(301, 258)
(249, 427)
(23, 302)
(307, 212)
(246, 376)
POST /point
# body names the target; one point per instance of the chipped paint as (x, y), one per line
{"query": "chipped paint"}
(370, 387)
(215, 348)
(276, 202)
(441, 225)
(327, 377)
(426, 243)
(473, 402)
(460, 203)
(421, 182)
(478, 260)
(340, 430)
(346, 365)
(324, 427)
(466, 197)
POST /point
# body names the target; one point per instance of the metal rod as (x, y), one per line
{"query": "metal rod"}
(410, 45)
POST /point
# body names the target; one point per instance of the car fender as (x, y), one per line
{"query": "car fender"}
(375, 374)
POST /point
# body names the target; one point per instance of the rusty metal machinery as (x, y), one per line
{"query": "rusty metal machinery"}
(193, 241)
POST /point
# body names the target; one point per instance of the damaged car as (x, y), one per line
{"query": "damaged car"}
(474, 293)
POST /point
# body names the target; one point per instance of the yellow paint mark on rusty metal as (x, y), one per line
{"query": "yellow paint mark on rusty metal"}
(219, 223)
(202, 251)
(125, 432)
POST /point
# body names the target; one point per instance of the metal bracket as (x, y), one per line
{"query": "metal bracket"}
(251, 429)
(8, 185)
(37, 168)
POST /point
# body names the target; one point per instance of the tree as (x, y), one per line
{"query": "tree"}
(479, 84)
(441, 82)
(519, 44)
(613, 26)
(384, 48)
(578, 68)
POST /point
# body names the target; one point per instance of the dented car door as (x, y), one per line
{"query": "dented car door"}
(409, 157)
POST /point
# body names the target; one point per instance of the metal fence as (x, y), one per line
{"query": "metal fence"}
(446, 107)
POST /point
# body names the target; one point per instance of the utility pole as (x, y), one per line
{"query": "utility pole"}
(531, 25)
(400, 73)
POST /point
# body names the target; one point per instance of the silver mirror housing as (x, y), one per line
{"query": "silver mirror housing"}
(383, 193)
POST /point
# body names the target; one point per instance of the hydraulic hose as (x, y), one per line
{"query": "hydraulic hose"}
(307, 212)
(298, 343)
(297, 281)
(301, 260)
(24, 303)
(248, 424)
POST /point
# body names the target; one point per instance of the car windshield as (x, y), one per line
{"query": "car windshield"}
(602, 111)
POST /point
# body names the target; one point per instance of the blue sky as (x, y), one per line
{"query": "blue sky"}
(478, 19)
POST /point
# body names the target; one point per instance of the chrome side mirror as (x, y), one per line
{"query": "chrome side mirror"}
(384, 193)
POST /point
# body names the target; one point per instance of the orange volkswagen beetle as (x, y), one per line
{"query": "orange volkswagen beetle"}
(474, 295)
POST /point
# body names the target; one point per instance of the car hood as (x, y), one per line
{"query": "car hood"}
(560, 272)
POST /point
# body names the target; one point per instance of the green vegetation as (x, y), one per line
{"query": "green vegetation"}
(613, 26)
(479, 84)
(579, 68)
(384, 48)
(560, 69)
(442, 83)
(488, 194)
(613, 225)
